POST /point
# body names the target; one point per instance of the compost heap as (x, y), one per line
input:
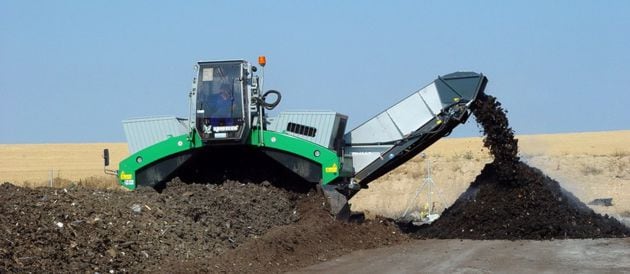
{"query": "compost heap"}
(511, 200)
(227, 227)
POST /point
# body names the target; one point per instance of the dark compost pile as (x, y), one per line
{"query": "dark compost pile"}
(511, 200)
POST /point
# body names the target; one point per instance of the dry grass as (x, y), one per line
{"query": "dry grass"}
(605, 143)
(101, 182)
(591, 170)
(620, 153)
(38, 164)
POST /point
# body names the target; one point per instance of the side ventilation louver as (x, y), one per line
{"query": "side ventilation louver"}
(301, 129)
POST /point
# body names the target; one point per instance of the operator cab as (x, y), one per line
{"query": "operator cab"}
(221, 100)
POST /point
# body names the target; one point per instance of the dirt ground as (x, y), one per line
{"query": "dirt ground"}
(469, 256)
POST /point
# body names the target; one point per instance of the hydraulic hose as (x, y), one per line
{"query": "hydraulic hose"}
(262, 101)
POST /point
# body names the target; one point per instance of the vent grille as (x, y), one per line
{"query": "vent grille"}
(301, 129)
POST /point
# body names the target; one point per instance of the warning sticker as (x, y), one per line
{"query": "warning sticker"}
(331, 169)
(125, 176)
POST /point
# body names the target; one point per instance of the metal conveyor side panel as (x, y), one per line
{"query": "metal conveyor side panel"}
(412, 124)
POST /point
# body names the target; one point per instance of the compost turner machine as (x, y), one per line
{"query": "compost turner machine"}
(228, 134)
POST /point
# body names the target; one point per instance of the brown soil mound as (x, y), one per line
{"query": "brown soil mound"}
(315, 238)
(510, 200)
(536, 209)
(231, 226)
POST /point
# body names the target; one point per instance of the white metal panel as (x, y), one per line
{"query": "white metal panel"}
(325, 122)
(410, 114)
(378, 129)
(363, 156)
(144, 132)
(431, 96)
(393, 124)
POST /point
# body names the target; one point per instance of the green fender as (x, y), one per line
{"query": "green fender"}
(326, 158)
(129, 166)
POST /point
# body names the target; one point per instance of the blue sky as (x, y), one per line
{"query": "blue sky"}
(70, 71)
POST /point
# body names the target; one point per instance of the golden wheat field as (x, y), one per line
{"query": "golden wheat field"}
(39, 164)
(591, 165)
